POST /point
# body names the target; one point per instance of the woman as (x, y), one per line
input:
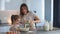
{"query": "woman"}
(28, 15)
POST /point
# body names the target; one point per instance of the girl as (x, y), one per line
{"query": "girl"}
(15, 23)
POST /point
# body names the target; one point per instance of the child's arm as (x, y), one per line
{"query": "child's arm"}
(12, 28)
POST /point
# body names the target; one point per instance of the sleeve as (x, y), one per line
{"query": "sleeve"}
(33, 15)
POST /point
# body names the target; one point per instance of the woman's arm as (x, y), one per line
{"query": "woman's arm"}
(33, 23)
(35, 18)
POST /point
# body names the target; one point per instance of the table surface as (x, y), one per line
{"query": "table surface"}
(38, 32)
(4, 29)
(30, 32)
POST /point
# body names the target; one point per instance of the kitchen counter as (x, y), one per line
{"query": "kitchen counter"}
(4, 29)
(38, 32)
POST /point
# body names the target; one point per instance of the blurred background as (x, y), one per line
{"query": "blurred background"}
(42, 8)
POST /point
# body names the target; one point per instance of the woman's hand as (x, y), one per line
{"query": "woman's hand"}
(36, 20)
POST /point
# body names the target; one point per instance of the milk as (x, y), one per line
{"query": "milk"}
(46, 26)
(50, 26)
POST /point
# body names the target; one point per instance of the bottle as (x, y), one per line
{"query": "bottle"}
(46, 26)
(50, 26)
(27, 24)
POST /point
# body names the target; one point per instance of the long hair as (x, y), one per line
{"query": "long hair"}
(21, 8)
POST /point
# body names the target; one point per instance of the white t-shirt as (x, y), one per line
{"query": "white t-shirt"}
(29, 16)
